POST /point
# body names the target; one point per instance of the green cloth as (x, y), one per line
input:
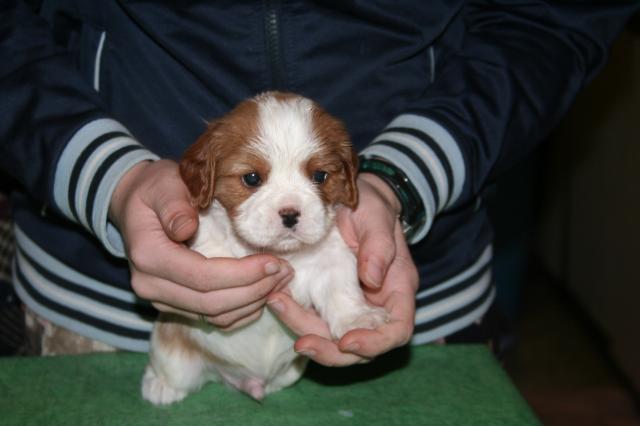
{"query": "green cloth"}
(427, 385)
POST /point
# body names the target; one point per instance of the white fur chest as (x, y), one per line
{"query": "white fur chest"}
(264, 348)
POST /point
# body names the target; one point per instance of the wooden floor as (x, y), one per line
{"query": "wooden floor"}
(559, 363)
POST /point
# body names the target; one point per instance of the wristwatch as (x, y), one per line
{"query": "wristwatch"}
(412, 216)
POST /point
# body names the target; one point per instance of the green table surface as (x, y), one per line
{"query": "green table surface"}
(427, 385)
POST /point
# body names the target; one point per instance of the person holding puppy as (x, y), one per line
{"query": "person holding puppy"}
(100, 98)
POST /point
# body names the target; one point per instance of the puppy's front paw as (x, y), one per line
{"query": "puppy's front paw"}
(157, 391)
(368, 317)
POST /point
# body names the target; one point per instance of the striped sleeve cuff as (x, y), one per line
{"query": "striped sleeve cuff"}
(429, 156)
(89, 169)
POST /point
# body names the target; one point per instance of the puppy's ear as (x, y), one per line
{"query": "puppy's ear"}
(349, 197)
(197, 167)
(335, 133)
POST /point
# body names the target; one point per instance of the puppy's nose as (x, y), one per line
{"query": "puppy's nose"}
(289, 217)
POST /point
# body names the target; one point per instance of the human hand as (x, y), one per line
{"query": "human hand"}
(384, 266)
(151, 208)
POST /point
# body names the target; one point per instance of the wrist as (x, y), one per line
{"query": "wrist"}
(406, 201)
(123, 189)
(383, 190)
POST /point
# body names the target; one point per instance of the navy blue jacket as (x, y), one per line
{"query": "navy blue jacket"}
(451, 92)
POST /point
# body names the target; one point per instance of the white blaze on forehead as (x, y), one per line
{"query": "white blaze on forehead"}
(286, 135)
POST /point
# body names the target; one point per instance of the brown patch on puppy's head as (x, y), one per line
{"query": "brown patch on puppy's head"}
(215, 163)
(336, 157)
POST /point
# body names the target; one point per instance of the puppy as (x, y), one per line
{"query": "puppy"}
(267, 177)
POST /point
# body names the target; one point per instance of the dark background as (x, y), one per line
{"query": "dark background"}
(568, 255)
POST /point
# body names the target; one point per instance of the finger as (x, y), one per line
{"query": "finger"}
(211, 303)
(170, 200)
(224, 272)
(298, 319)
(373, 223)
(397, 332)
(162, 307)
(372, 343)
(325, 352)
(225, 322)
(218, 303)
(158, 256)
(377, 251)
(254, 316)
(227, 319)
(345, 223)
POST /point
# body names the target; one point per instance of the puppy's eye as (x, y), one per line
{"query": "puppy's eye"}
(252, 179)
(319, 176)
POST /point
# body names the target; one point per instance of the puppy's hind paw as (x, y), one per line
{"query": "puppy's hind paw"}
(255, 388)
(157, 391)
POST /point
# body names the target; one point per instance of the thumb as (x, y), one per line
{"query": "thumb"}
(172, 205)
(377, 251)
(180, 222)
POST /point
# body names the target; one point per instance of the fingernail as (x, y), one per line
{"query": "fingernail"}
(374, 273)
(309, 353)
(179, 222)
(276, 305)
(282, 283)
(285, 274)
(271, 268)
(289, 271)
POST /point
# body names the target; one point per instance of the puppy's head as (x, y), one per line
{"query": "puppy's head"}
(279, 164)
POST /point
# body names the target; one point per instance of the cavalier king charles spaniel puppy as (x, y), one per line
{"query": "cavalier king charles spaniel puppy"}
(267, 177)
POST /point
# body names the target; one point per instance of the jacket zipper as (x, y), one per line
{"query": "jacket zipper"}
(273, 45)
